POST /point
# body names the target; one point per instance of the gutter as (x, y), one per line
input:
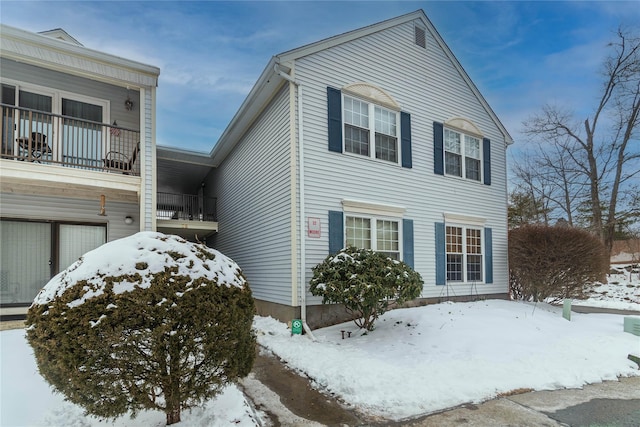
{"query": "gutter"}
(303, 267)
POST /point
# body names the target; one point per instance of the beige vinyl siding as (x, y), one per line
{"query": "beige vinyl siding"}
(22, 206)
(427, 85)
(253, 187)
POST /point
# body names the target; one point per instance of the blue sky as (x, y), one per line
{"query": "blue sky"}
(521, 55)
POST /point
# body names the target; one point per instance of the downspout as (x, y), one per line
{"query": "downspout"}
(302, 279)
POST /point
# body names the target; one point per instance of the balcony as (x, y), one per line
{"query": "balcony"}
(51, 139)
(191, 216)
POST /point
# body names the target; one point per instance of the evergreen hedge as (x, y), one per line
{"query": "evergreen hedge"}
(165, 330)
(365, 282)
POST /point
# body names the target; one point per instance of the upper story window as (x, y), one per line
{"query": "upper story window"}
(364, 123)
(462, 155)
(460, 150)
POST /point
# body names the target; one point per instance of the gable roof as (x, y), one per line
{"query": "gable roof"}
(54, 50)
(272, 78)
(60, 34)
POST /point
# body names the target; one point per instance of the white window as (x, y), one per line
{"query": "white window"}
(464, 254)
(381, 235)
(462, 155)
(363, 119)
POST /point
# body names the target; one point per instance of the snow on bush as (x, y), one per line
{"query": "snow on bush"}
(149, 321)
(365, 282)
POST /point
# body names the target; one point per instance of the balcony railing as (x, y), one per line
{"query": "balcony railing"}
(185, 207)
(36, 136)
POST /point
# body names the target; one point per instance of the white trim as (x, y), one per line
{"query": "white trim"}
(463, 154)
(371, 208)
(455, 218)
(371, 106)
(51, 53)
(465, 227)
(373, 94)
(373, 228)
(464, 126)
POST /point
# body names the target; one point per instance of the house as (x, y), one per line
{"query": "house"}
(76, 156)
(376, 138)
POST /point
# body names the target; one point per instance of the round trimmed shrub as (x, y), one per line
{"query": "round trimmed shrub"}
(365, 282)
(150, 321)
(553, 263)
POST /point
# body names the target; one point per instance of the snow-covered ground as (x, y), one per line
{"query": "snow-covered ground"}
(417, 360)
(622, 290)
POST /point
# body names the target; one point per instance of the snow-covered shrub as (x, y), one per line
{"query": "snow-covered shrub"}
(365, 282)
(145, 322)
(554, 262)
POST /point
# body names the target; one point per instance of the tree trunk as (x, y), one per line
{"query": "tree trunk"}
(172, 395)
(594, 179)
(173, 415)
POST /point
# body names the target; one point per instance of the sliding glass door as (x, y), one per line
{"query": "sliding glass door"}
(32, 252)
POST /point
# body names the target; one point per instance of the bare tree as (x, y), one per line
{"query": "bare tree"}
(552, 181)
(605, 148)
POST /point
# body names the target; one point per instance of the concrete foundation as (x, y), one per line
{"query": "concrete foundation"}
(320, 316)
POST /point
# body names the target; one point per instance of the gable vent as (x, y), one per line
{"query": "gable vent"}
(420, 38)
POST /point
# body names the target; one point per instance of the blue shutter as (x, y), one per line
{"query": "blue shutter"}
(441, 259)
(334, 111)
(488, 256)
(407, 242)
(438, 148)
(486, 158)
(405, 139)
(336, 236)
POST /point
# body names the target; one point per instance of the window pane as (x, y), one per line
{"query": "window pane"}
(76, 240)
(454, 239)
(25, 253)
(453, 164)
(387, 236)
(356, 112)
(358, 232)
(474, 241)
(471, 147)
(474, 254)
(356, 140)
(454, 268)
(386, 148)
(452, 142)
(385, 121)
(81, 110)
(35, 101)
(472, 168)
(474, 267)
(8, 94)
(454, 253)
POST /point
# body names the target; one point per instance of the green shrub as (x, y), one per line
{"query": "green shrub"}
(553, 263)
(365, 282)
(146, 322)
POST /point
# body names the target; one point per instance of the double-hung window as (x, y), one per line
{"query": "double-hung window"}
(464, 254)
(462, 155)
(366, 123)
(380, 235)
